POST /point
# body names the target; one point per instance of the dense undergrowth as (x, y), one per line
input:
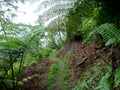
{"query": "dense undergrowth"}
(78, 52)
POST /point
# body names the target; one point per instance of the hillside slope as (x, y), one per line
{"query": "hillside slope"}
(65, 68)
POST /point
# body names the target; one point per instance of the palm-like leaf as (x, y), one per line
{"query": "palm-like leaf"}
(52, 8)
(37, 32)
(104, 83)
(110, 33)
(117, 77)
(12, 35)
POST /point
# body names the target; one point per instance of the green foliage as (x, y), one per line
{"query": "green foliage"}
(54, 69)
(45, 52)
(104, 83)
(30, 59)
(10, 67)
(87, 26)
(109, 32)
(117, 77)
(36, 33)
(59, 74)
(88, 80)
(16, 71)
(9, 36)
(65, 73)
(108, 12)
(80, 19)
(12, 48)
(7, 82)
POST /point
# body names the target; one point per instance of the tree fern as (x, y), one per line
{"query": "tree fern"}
(109, 32)
(51, 8)
(13, 35)
(37, 32)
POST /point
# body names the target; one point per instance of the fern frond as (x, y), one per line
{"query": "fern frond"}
(110, 33)
(117, 77)
(104, 83)
(37, 31)
(13, 43)
(52, 8)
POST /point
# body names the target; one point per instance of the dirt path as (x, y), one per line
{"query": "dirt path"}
(79, 56)
(38, 82)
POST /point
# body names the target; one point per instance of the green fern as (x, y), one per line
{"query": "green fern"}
(110, 33)
(37, 32)
(117, 77)
(104, 83)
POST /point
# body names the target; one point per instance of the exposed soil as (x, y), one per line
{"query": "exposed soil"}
(37, 83)
(82, 56)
